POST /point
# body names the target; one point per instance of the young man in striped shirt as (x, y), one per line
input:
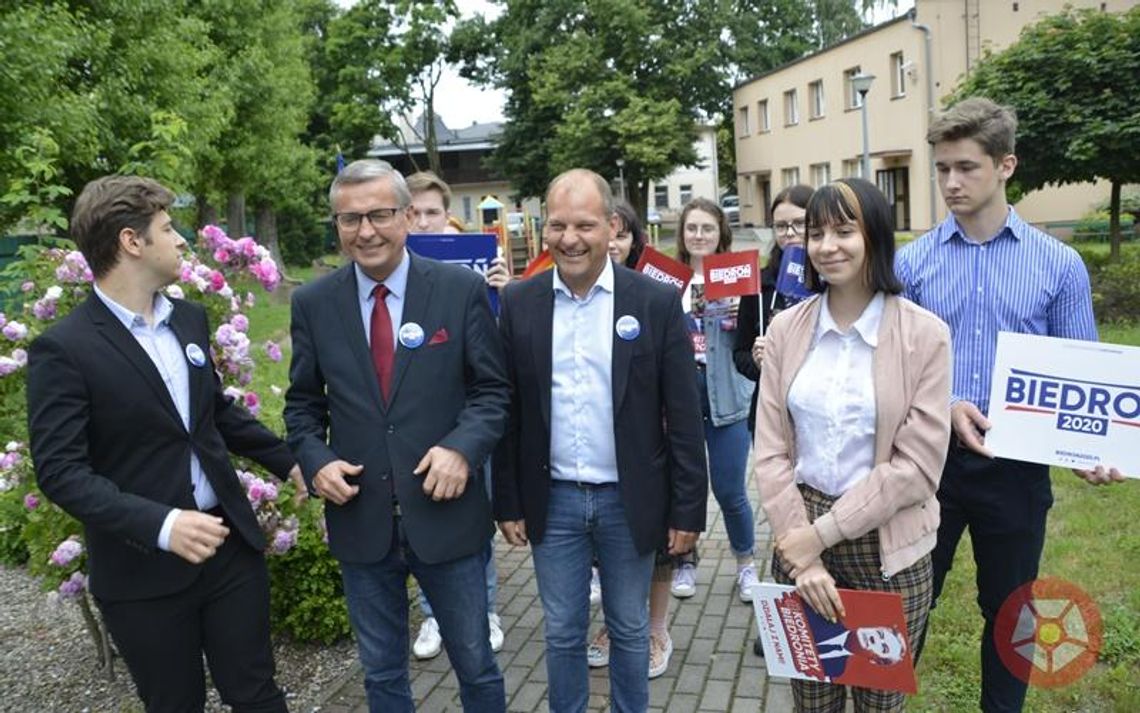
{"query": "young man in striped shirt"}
(985, 270)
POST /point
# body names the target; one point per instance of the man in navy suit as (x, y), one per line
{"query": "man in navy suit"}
(397, 395)
(129, 433)
(835, 643)
(604, 454)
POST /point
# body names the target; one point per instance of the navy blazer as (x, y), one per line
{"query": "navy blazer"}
(109, 446)
(658, 434)
(449, 391)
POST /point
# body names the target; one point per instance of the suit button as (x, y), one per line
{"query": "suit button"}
(383, 476)
(391, 429)
(545, 467)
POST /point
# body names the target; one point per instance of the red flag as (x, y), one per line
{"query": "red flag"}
(732, 274)
(665, 269)
(541, 263)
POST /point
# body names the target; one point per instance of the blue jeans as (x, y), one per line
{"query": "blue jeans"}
(489, 572)
(377, 597)
(584, 522)
(728, 461)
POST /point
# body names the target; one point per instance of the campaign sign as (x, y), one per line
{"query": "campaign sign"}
(790, 282)
(1066, 402)
(868, 648)
(665, 269)
(472, 250)
(732, 274)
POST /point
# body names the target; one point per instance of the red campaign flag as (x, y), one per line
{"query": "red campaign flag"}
(732, 274)
(541, 263)
(665, 269)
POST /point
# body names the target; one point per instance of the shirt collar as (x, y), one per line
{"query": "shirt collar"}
(163, 309)
(397, 282)
(605, 282)
(1013, 227)
(867, 326)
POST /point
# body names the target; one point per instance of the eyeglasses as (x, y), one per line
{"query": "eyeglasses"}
(796, 227)
(379, 218)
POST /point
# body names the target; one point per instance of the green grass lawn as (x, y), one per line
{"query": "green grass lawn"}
(1093, 540)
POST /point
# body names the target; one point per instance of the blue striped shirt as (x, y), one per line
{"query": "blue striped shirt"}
(1022, 280)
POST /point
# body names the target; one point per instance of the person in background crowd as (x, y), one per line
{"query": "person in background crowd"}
(431, 205)
(603, 456)
(703, 230)
(984, 270)
(756, 311)
(852, 427)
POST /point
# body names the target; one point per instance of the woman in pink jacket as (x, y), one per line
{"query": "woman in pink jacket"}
(852, 427)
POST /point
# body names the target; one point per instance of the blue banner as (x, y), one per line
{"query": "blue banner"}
(471, 250)
(790, 282)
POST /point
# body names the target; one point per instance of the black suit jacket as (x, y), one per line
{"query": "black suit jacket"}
(109, 446)
(659, 438)
(451, 393)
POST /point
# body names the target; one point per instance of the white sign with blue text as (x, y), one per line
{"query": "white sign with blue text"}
(1066, 402)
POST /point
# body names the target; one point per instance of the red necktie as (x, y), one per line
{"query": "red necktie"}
(383, 350)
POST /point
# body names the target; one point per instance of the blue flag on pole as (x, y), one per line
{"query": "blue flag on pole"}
(339, 160)
(790, 282)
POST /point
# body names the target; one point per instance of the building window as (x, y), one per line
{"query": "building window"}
(820, 174)
(742, 126)
(661, 196)
(791, 108)
(762, 122)
(851, 98)
(790, 176)
(898, 75)
(815, 96)
(686, 193)
(852, 168)
(468, 216)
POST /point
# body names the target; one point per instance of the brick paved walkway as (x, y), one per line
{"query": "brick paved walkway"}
(712, 668)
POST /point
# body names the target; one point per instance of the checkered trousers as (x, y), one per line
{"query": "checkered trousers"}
(854, 564)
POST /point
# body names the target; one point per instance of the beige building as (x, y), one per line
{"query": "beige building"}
(802, 123)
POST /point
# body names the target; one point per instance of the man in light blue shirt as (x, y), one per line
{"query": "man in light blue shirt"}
(604, 450)
(984, 270)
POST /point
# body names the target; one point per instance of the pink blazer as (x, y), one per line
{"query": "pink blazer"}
(912, 392)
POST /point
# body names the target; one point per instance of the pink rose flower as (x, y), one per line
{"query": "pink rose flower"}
(240, 322)
(73, 587)
(15, 331)
(31, 502)
(66, 552)
(273, 351)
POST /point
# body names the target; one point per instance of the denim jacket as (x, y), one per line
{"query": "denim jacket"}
(730, 394)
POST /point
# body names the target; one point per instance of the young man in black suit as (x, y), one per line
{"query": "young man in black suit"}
(129, 434)
(397, 394)
(604, 454)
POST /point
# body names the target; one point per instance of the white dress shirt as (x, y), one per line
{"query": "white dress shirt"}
(397, 284)
(165, 351)
(832, 402)
(581, 370)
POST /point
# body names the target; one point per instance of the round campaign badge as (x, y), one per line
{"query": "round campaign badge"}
(195, 355)
(628, 327)
(411, 335)
(1048, 632)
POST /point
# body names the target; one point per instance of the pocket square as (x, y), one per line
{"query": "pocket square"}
(439, 337)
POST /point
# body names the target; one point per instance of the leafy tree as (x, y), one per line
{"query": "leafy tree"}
(1074, 79)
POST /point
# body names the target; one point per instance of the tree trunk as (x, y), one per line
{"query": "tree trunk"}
(207, 213)
(265, 227)
(1114, 223)
(101, 638)
(235, 215)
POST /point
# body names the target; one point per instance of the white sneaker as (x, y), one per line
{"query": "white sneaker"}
(659, 652)
(685, 581)
(496, 626)
(746, 580)
(598, 653)
(429, 643)
(595, 587)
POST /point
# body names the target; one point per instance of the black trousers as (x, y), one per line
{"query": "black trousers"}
(1004, 503)
(224, 614)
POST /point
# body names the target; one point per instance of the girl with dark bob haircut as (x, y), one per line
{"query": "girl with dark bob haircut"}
(855, 200)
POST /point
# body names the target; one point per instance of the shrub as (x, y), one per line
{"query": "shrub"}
(1094, 226)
